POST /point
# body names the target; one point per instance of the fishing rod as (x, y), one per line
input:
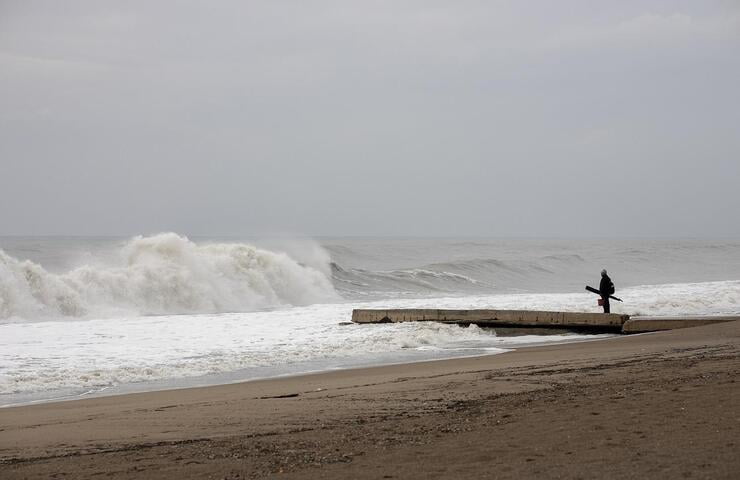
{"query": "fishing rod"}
(593, 290)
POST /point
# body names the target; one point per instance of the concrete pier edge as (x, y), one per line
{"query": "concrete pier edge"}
(610, 322)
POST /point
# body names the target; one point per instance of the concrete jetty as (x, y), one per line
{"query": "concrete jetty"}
(610, 322)
(492, 318)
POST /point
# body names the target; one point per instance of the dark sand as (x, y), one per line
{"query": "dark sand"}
(663, 405)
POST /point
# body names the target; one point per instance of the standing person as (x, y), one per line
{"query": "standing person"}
(606, 288)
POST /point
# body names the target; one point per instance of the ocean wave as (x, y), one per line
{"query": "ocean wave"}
(465, 276)
(565, 257)
(98, 353)
(163, 274)
(225, 343)
(412, 280)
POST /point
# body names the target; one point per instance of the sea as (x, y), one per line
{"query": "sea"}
(83, 316)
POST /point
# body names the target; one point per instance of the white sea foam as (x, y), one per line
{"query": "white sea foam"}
(164, 274)
(704, 298)
(88, 354)
(71, 325)
(92, 354)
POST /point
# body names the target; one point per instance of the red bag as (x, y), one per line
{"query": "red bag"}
(601, 302)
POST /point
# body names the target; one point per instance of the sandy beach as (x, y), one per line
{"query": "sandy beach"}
(660, 405)
(369, 240)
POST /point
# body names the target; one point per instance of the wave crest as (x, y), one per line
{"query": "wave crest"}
(163, 274)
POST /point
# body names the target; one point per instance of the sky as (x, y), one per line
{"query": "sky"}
(419, 118)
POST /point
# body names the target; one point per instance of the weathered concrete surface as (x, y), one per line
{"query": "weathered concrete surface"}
(521, 318)
(531, 318)
(654, 324)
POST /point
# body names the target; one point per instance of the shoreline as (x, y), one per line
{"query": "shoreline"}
(553, 410)
(236, 377)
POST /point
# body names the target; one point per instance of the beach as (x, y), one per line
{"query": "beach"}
(376, 240)
(660, 405)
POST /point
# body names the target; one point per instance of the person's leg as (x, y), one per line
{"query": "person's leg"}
(606, 305)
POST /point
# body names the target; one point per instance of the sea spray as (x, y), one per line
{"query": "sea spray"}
(163, 274)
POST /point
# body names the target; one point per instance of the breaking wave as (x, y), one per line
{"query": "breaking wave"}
(468, 276)
(164, 274)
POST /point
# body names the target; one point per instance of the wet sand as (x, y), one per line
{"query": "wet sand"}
(662, 405)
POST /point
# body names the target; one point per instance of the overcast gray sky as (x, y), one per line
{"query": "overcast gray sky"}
(389, 117)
